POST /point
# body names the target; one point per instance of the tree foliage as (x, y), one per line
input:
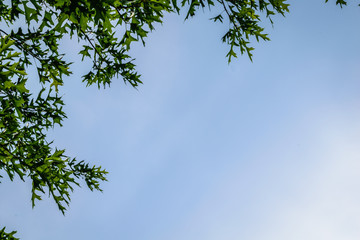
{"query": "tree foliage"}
(31, 32)
(7, 236)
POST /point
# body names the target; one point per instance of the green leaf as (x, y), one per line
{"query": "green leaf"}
(8, 84)
(21, 87)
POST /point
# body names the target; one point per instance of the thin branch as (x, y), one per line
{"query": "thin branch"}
(225, 8)
(89, 40)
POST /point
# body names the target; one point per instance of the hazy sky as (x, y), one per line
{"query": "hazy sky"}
(268, 149)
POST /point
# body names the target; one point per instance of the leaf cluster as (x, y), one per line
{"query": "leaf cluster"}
(341, 3)
(24, 149)
(8, 236)
(244, 18)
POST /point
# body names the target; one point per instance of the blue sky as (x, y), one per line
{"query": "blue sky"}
(257, 150)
